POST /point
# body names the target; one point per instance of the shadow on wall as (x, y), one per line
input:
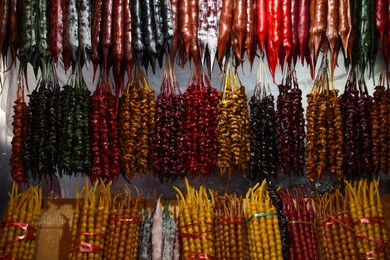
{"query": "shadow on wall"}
(55, 229)
(5, 154)
(65, 238)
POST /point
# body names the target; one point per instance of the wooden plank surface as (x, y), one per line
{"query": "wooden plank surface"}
(386, 211)
(54, 229)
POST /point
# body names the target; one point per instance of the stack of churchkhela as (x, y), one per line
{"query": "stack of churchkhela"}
(350, 223)
(301, 223)
(336, 237)
(231, 238)
(89, 221)
(19, 223)
(196, 220)
(123, 226)
(264, 234)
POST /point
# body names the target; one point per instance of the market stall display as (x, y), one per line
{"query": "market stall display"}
(288, 224)
(125, 30)
(317, 194)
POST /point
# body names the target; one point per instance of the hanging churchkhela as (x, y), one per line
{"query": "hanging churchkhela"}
(201, 144)
(380, 126)
(263, 128)
(356, 105)
(136, 125)
(233, 125)
(104, 130)
(44, 126)
(324, 137)
(290, 126)
(75, 142)
(19, 167)
(168, 159)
